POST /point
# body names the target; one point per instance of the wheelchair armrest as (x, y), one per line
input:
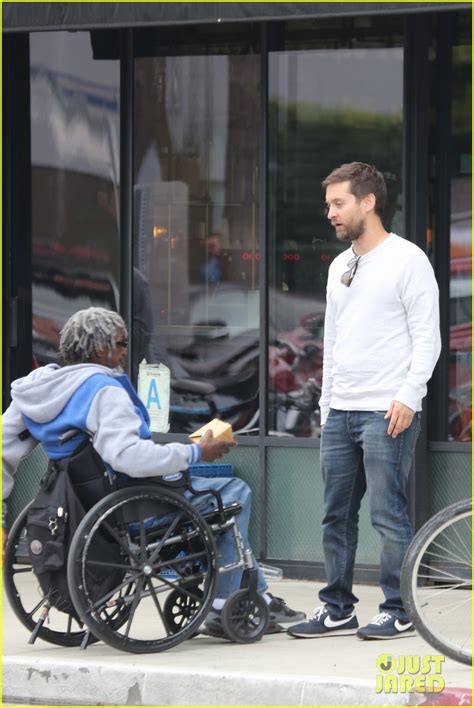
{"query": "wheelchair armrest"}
(228, 511)
(200, 492)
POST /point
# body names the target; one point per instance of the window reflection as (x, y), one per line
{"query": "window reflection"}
(195, 229)
(327, 106)
(460, 289)
(75, 159)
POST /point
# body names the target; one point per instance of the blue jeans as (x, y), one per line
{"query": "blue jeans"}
(232, 489)
(358, 455)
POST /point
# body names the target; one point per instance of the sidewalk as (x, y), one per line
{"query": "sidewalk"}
(279, 670)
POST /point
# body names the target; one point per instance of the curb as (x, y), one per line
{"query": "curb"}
(70, 683)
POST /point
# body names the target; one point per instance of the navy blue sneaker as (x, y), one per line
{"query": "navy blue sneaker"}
(323, 625)
(385, 626)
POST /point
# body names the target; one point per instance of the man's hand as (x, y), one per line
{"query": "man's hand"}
(4, 542)
(400, 418)
(211, 448)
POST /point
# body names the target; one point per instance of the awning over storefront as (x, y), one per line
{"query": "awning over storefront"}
(36, 16)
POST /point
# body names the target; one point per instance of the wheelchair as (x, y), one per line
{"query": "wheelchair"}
(157, 560)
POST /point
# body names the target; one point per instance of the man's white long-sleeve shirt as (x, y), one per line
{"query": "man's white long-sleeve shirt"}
(381, 336)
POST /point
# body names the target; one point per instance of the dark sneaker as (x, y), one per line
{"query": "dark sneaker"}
(212, 627)
(323, 625)
(280, 617)
(281, 614)
(385, 626)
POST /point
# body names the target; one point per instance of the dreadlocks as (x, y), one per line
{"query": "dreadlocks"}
(88, 332)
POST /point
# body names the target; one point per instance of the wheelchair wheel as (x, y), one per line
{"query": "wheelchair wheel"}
(28, 600)
(245, 620)
(157, 543)
(179, 609)
(436, 581)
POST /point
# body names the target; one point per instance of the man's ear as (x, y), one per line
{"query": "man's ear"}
(99, 358)
(369, 202)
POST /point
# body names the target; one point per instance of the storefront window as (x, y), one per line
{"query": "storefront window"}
(335, 96)
(460, 283)
(196, 151)
(75, 168)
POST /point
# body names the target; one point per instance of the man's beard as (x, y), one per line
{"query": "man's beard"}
(353, 232)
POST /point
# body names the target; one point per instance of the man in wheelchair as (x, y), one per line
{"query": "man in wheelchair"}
(90, 395)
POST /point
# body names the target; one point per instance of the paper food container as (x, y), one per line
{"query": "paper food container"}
(220, 430)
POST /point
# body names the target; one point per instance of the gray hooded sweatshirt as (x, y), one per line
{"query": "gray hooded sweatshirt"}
(110, 418)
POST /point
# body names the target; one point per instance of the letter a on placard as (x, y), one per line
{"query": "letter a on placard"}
(153, 396)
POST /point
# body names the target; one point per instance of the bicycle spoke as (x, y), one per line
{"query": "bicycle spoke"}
(455, 604)
(450, 555)
(460, 539)
(441, 583)
(443, 573)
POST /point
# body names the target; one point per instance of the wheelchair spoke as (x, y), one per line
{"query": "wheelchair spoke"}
(168, 533)
(187, 593)
(178, 561)
(121, 541)
(108, 564)
(135, 602)
(21, 570)
(93, 606)
(69, 624)
(36, 607)
(178, 588)
(157, 604)
(141, 521)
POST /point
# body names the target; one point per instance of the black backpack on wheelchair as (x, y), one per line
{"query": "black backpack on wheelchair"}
(70, 487)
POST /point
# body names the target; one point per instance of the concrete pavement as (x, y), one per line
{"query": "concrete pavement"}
(279, 670)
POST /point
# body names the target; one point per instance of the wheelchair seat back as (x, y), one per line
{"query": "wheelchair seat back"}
(88, 474)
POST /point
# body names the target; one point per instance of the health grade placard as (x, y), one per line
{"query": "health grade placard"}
(154, 391)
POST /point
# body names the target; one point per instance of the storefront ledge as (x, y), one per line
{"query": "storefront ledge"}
(46, 682)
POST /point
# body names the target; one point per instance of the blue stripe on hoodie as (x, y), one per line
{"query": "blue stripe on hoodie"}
(75, 412)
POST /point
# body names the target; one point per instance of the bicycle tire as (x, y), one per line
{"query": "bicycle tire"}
(411, 577)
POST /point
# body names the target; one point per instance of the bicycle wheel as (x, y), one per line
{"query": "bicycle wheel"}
(436, 581)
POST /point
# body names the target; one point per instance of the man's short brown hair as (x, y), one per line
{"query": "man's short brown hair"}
(364, 179)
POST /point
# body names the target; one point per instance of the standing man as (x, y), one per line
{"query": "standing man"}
(381, 344)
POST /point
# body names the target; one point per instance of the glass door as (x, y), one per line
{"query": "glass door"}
(335, 96)
(196, 202)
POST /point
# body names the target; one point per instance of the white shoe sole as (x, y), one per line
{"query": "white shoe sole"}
(335, 633)
(401, 635)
